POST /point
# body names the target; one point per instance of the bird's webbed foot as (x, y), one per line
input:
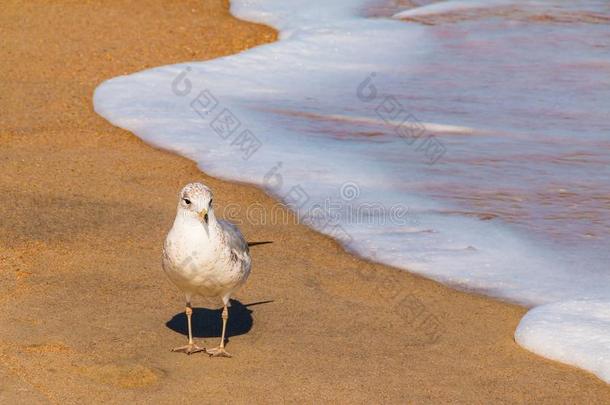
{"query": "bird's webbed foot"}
(189, 349)
(218, 352)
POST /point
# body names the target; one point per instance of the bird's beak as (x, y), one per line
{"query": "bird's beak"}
(203, 215)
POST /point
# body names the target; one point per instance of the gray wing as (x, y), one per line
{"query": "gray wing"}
(236, 241)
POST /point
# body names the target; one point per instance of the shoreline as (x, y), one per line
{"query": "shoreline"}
(87, 205)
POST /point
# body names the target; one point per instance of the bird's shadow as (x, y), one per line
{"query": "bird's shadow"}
(207, 323)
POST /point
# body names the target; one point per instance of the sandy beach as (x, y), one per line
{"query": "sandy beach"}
(87, 314)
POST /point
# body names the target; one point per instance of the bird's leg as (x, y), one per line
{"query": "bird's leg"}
(220, 350)
(190, 347)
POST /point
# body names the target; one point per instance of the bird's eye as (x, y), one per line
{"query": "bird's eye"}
(187, 201)
(210, 202)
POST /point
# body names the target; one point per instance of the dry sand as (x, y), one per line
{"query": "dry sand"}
(86, 312)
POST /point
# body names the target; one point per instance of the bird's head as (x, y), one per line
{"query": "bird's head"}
(196, 201)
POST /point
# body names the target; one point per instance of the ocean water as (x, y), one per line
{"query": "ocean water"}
(466, 141)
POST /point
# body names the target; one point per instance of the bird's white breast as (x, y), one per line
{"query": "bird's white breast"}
(197, 261)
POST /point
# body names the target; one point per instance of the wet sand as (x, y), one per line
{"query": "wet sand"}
(87, 314)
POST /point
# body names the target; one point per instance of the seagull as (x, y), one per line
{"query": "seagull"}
(204, 256)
